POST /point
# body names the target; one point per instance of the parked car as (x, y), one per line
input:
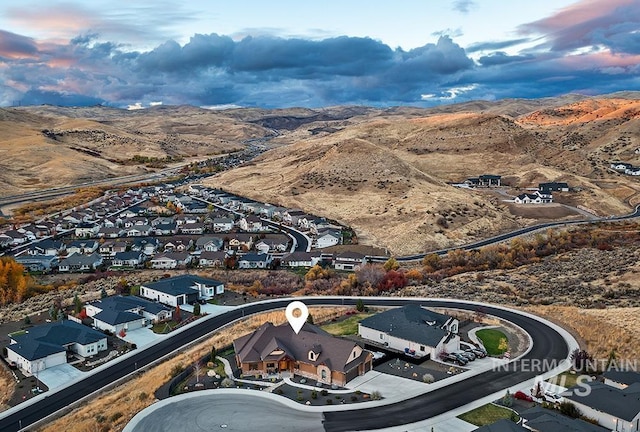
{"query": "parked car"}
(480, 353)
(467, 354)
(552, 397)
(454, 359)
(522, 396)
(462, 360)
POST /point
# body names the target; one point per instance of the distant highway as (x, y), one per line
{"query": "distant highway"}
(510, 235)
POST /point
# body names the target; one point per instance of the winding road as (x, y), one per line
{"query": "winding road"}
(547, 344)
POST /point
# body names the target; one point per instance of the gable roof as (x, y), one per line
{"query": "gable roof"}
(183, 284)
(548, 420)
(331, 351)
(127, 303)
(410, 322)
(503, 425)
(51, 338)
(627, 377)
(114, 317)
(621, 403)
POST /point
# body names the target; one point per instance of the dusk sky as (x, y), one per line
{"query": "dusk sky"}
(291, 53)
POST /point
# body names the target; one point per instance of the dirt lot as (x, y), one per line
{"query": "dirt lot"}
(542, 211)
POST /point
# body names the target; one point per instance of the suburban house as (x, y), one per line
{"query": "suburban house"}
(46, 345)
(171, 260)
(78, 263)
(178, 244)
(128, 259)
(125, 312)
(328, 238)
(50, 247)
(614, 408)
(110, 232)
(110, 248)
(484, 180)
(621, 166)
(413, 330)
(181, 289)
(311, 353)
(240, 242)
(547, 188)
(349, 261)
(273, 243)
(300, 259)
(147, 245)
(633, 171)
(211, 259)
(196, 228)
(544, 419)
(251, 223)
(502, 425)
(209, 243)
(86, 229)
(533, 198)
(37, 263)
(252, 260)
(621, 378)
(82, 247)
(222, 224)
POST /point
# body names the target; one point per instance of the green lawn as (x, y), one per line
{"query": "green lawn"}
(494, 341)
(348, 326)
(486, 414)
(565, 379)
(162, 327)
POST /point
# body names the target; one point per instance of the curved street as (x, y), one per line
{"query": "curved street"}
(547, 344)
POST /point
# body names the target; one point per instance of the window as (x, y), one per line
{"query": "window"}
(323, 374)
(312, 356)
(422, 348)
(271, 365)
(381, 336)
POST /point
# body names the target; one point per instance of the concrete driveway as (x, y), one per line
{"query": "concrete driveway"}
(60, 375)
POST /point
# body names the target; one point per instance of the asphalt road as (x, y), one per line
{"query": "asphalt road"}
(548, 344)
(516, 233)
(224, 410)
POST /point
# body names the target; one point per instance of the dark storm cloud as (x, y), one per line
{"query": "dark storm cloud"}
(267, 71)
(500, 58)
(13, 45)
(492, 46)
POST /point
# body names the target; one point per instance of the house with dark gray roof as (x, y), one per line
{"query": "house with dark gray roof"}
(311, 353)
(614, 408)
(80, 263)
(125, 313)
(621, 378)
(39, 263)
(503, 425)
(46, 345)
(412, 330)
(183, 289)
(549, 420)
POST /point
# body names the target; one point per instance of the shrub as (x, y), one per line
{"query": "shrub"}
(376, 395)
(329, 401)
(569, 409)
(428, 378)
(177, 370)
(507, 399)
(279, 391)
(142, 396)
(227, 382)
(354, 398)
(314, 394)
(324, 392)
(115, 416)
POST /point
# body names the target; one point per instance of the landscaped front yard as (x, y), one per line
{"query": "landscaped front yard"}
(347, 326)
(494, 341)
(488, 414)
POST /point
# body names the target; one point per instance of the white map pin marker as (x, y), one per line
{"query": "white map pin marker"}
(296, 314)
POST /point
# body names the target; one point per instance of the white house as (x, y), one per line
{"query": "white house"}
(535, 198)
(125, 313)
(252, 260)
(328, 238)
(181, 289)
(300, 259)
(412, 330)
(614, 408)
(46, 345)
(349, 261)
(171, 260)
(222, 224)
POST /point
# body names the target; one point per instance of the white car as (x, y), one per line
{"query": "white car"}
(553, 398)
